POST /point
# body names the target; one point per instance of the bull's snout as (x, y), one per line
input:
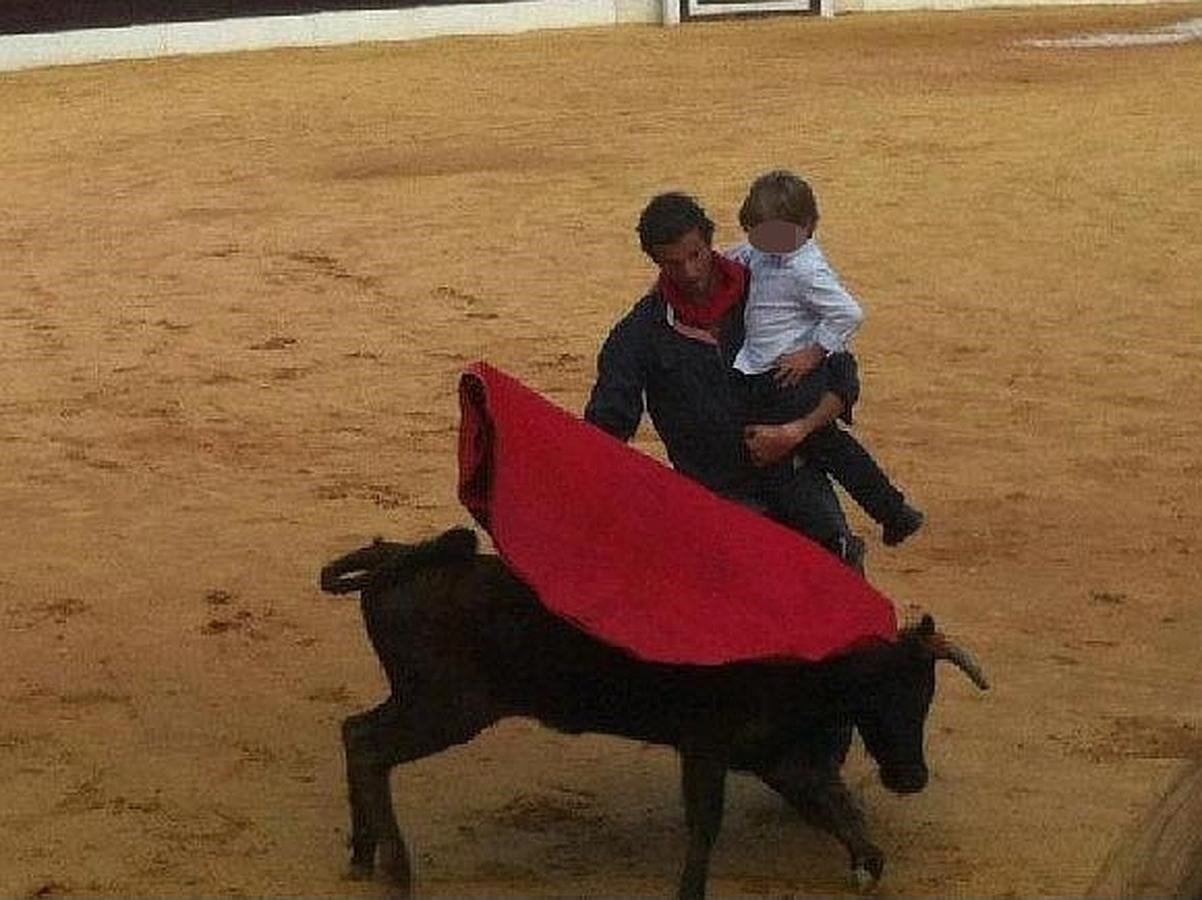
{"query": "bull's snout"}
(907, 779)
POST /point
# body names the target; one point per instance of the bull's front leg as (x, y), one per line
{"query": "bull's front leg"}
(369, 743)
(703, 784)
(818, 792)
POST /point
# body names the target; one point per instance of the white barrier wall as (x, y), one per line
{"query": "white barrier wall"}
(844, 6)
(19, 51)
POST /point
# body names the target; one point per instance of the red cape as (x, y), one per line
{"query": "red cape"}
(640, 556)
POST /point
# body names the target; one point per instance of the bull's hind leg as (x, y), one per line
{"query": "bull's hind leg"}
(818, 792)
(375, 742)
(703, 784)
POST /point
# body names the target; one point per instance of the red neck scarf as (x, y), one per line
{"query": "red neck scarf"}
(730, 279)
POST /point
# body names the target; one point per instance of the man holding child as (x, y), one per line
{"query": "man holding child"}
(765, 436)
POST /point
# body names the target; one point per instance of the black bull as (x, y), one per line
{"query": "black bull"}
(465, 643)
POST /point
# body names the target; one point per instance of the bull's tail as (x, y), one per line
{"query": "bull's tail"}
(382, 563)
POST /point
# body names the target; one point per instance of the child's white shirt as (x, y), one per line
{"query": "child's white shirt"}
(795, 300)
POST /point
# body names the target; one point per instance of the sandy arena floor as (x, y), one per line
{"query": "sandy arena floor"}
(235, 295)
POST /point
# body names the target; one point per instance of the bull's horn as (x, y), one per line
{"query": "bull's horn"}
(961, 659)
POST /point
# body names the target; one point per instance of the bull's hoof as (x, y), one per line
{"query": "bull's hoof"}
(359, 871)
(867, 870)
(394, 865)
(862, 880)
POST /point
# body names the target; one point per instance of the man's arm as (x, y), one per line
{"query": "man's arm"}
(616, 402)
(771, 443)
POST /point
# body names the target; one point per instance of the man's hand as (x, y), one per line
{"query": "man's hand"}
(772, 443)
(791, 368)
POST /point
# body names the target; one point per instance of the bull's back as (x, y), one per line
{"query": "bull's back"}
(543, 667)
(441, 616)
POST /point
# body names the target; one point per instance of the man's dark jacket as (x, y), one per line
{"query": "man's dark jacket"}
(696, 400)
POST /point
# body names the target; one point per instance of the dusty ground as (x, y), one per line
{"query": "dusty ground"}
(235, 294)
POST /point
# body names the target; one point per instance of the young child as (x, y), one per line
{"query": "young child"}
(798, 313)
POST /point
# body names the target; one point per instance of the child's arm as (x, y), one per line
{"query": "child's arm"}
(838, 315)
(792, 368)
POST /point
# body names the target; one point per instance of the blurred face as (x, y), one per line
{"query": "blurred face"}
(777, 236)
(688, 262)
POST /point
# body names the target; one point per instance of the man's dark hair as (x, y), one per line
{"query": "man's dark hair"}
(669, 217)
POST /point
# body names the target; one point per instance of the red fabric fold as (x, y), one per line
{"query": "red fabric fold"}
(638, 555)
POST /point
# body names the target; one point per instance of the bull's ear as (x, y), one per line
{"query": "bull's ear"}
(916, 621)
(458, 543)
